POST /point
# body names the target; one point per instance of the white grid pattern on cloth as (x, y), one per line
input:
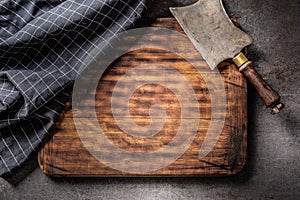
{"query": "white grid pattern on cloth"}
(40, 55)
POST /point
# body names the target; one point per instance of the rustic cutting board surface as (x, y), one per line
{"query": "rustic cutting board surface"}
(65, 154)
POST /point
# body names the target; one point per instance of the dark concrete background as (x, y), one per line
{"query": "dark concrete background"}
(272, 170)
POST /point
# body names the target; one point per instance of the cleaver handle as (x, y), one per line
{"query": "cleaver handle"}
(270, 97)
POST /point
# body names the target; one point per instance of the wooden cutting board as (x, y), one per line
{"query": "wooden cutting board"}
(65, 154)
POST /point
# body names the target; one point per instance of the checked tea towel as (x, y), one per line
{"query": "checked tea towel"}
(42, 46)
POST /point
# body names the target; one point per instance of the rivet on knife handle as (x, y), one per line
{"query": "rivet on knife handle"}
(270, 97)
(217, 39)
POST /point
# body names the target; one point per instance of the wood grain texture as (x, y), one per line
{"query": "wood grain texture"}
(65, 154)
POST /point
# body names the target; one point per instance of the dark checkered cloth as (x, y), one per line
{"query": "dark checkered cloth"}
(42, 47)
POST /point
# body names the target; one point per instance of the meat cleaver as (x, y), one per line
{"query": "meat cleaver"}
(217, 39)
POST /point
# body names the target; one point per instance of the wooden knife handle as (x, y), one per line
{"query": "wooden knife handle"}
(270, 97)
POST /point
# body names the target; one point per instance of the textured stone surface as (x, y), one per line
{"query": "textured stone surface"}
(272, 170)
